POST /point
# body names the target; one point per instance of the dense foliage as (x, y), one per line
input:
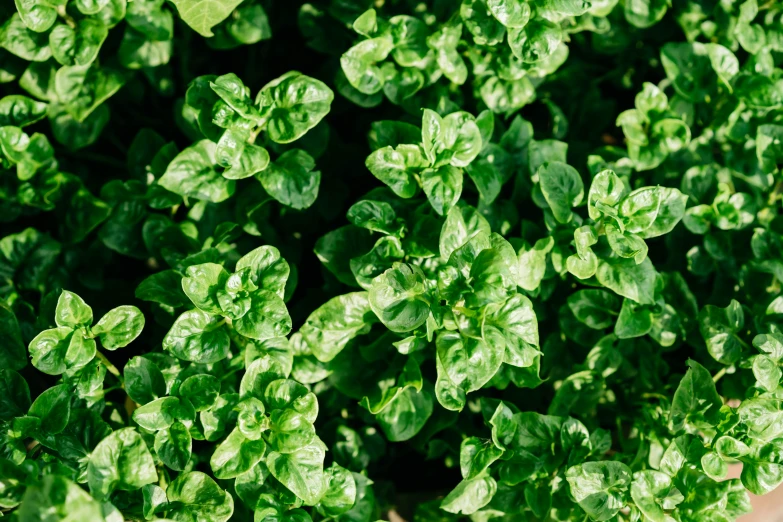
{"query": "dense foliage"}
(351, 259)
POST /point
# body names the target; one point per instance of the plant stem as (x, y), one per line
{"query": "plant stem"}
(720, 374)
(775, 194)
(109, 366)
(62, 13)
(464, 311)
(216, 325)
(254, 134)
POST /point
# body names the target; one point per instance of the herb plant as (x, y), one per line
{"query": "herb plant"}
(353, 261)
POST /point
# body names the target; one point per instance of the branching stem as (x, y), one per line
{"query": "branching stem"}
(109, 366)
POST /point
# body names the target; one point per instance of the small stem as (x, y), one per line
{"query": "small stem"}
(162, 481)
(109, 366)
(111, 389)
(655, 396)
(254, 134)
(229, 374)
(744, 344)
(217, 325)
(775, 194)
(65, 16)
(464, 311)
(720, 374)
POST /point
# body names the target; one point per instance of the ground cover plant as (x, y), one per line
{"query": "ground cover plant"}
(359, 260)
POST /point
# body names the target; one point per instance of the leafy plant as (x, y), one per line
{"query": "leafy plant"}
(525, 264)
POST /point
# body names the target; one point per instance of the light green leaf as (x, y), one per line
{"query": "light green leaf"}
(203, 15)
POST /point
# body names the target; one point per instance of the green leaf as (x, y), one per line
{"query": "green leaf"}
(232, 91)
(517, 321)
(696, 401)
(196, 496)
(298, 103)
(57, 498)
(260, 373)
(476, 455)
(627, 278)
(53, 408)
(236, 455)
(119, 327)
(286, 393)
(17, 39)
(469, 362)
(19, 111)
(562, 187)
(192, 174)
(386, 133)
(486, 30)
(645, 13)
(535, 41)
(14, 395)
(510, 13)
(290, 179)
(340, 495)
(266, 318)
(597, 309)
(762, 417)
(652, 492)
(203, 15)
(72, 311)
(532, 264)
(462, 224)
(201, 390)
(567, 7)
(78, 45)
(395, 167)
(301, 471)
(173, 446)
(359, 64)
(268, 270)
(454, 140)
(329, 328)
(769, 148)
(762, 469)
(154, 497)
(252, 160)
(443, 187)
(38, 15)
(158, 414)
(406, 414)
(652, 211)
(724, 63)
(767, 372)
(198, 337)
(144, 381)
(470, 495)
(201, 284)
(539, 497)
(121, 461)
(720, 328)
(770, 344)
(83, 88)
(289, 431)
(399, 298)
(600, 488)
(56, 350)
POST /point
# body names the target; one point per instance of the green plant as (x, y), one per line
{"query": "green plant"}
(486, 260)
